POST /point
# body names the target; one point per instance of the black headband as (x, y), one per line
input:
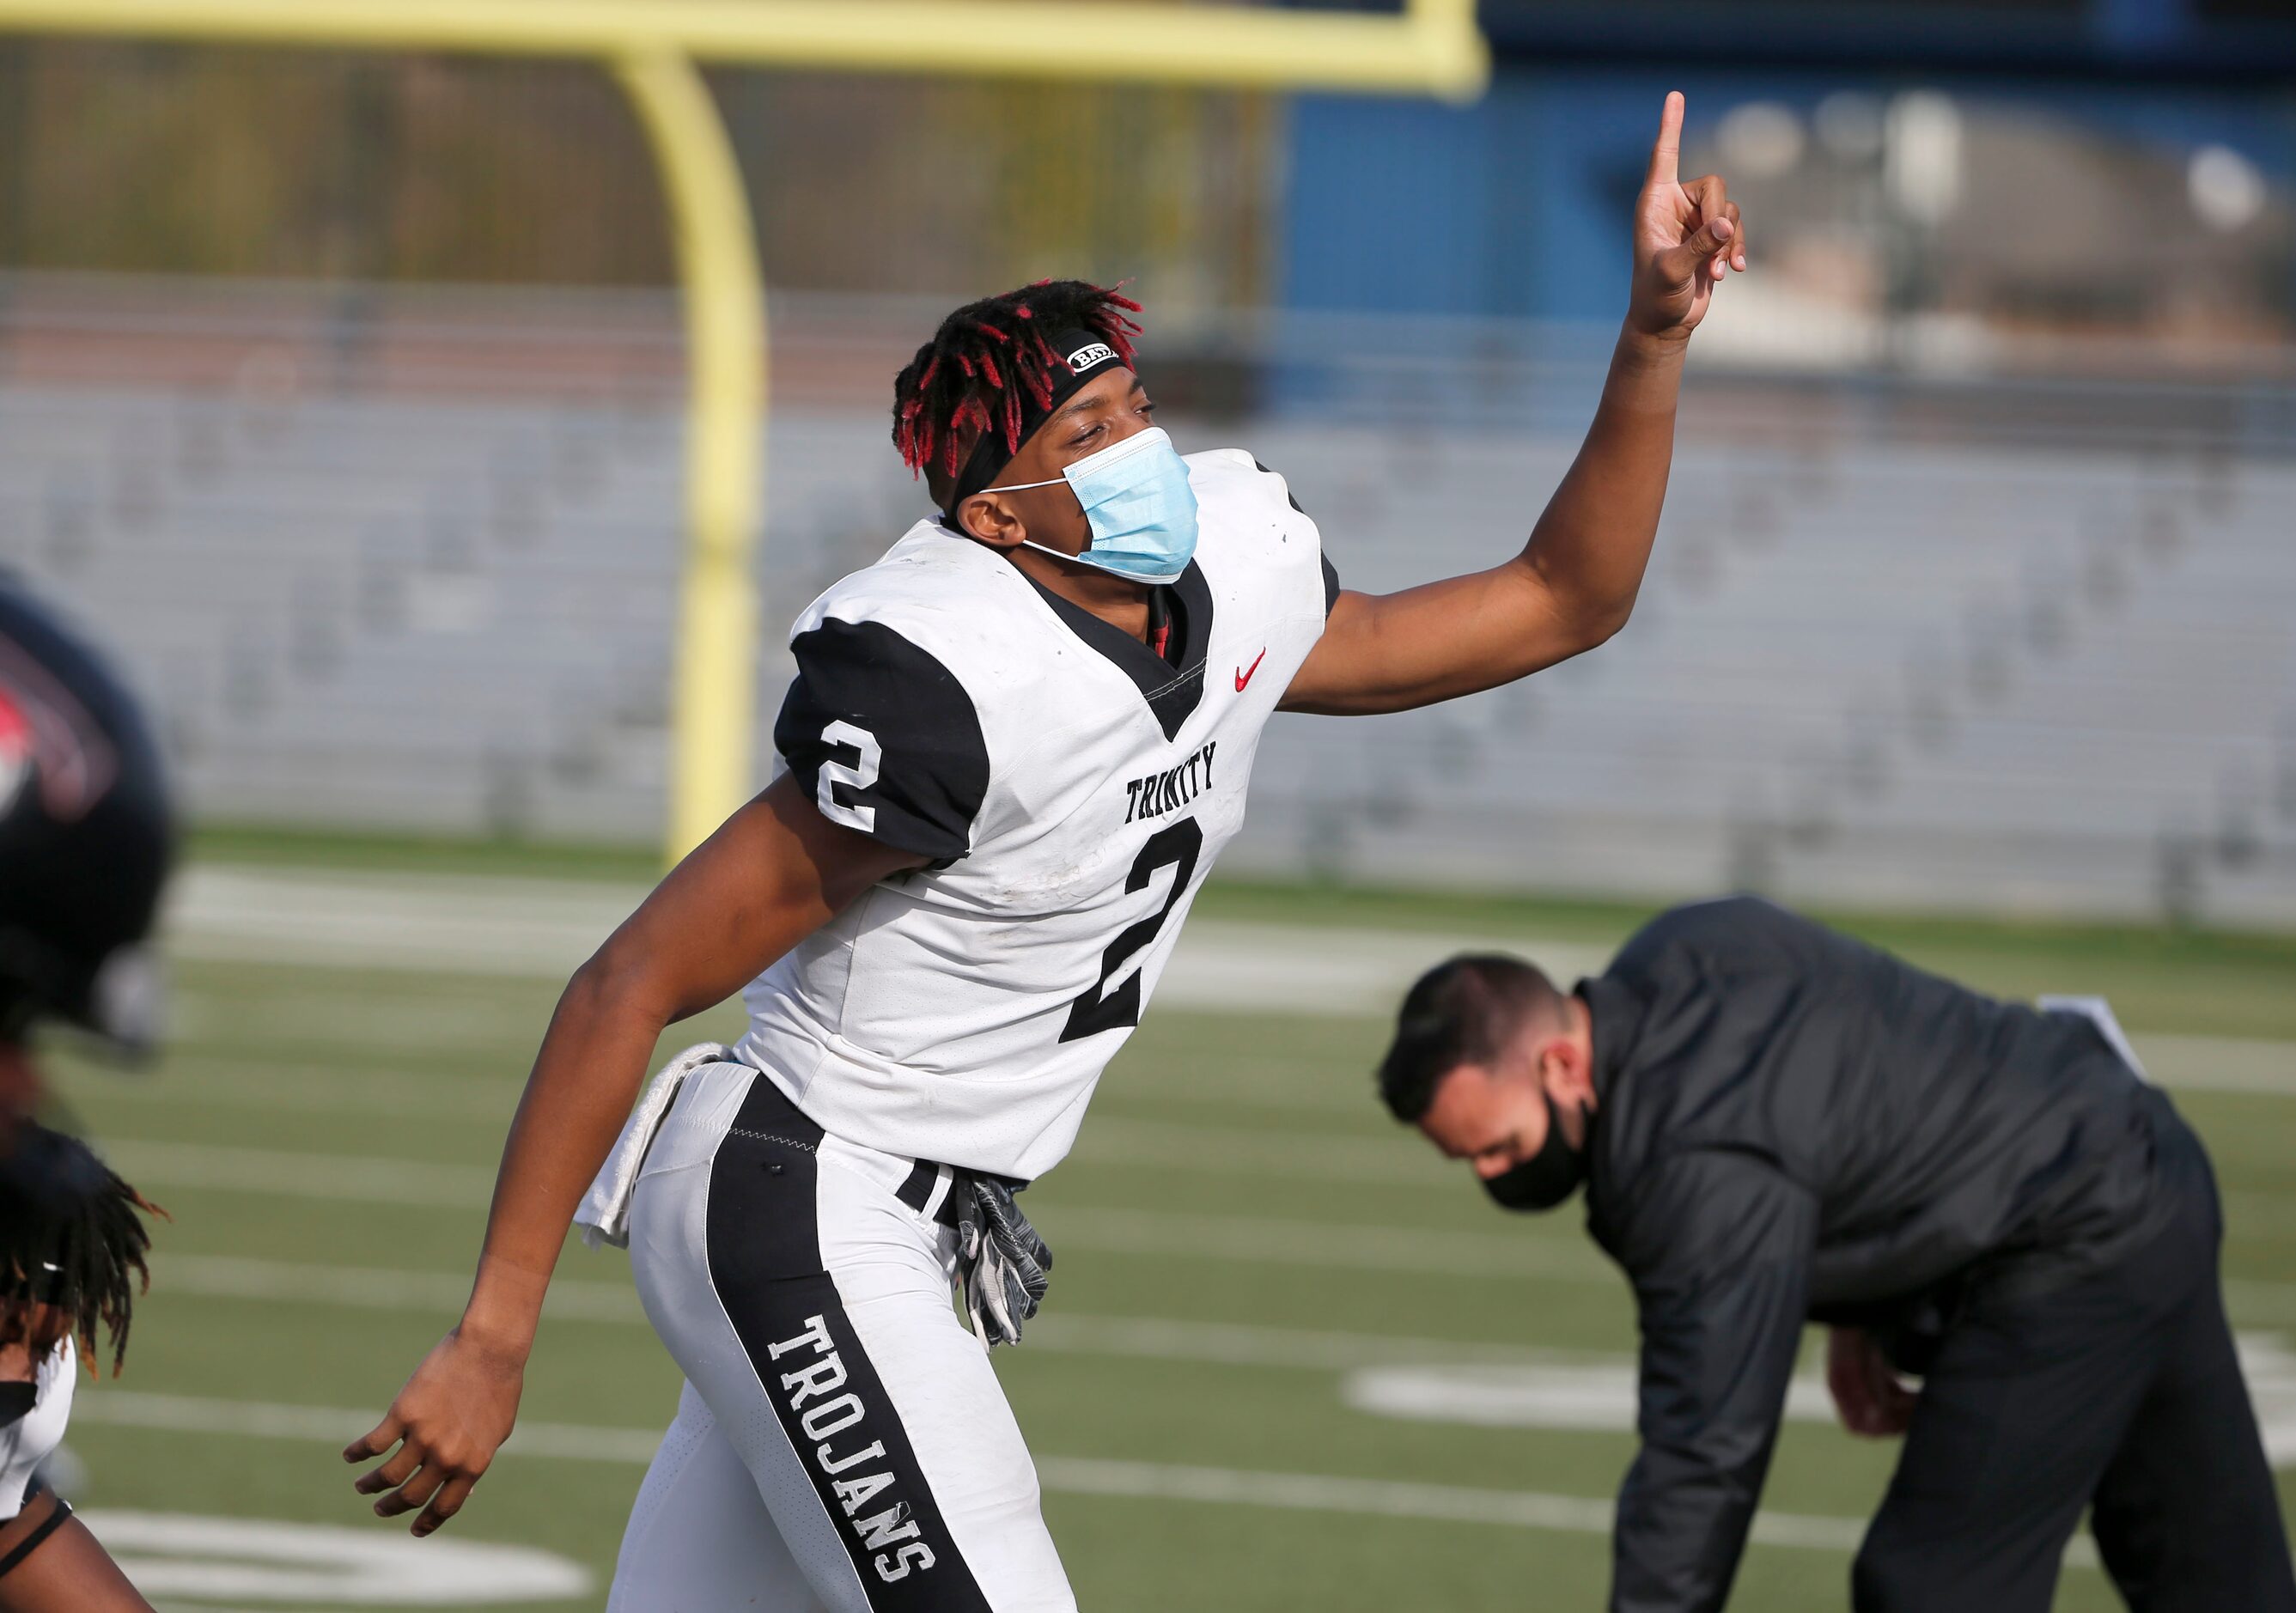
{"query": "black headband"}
(1084, 356)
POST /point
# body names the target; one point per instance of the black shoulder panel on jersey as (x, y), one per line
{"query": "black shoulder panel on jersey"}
(923, 785)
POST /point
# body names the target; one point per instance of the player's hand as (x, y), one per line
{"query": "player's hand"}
(1686, 238)
(1867, 1392)
(447, 1423)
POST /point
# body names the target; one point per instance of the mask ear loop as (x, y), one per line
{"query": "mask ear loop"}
(1011, 486)
(1081, 558)
(954, 519)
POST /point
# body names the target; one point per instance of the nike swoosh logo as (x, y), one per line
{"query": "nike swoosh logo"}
(1244, 676)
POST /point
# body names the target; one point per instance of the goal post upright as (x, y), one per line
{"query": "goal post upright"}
(652, 48)
(713, 664)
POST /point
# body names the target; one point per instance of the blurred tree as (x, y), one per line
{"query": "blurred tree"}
(217, 161)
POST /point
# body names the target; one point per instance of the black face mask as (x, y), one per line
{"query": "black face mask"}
(1547, 1177)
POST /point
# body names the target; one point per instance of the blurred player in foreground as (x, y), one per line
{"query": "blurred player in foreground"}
(84, 845)
(1775, 1124)
(1016, 745)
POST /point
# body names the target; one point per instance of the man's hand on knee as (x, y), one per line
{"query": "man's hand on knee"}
(1867, 1392)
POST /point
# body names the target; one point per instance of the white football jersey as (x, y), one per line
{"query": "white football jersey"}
(29, 1441)
(1073, 786)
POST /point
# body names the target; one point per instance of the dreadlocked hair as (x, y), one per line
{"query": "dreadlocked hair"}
(72, 1243)
(991, 361)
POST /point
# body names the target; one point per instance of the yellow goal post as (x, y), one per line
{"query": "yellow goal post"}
(652, 48)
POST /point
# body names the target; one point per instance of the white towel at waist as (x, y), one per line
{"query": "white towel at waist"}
(605, 1213)
(2100, 1011)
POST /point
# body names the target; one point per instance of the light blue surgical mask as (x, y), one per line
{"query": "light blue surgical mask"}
(1143, 511)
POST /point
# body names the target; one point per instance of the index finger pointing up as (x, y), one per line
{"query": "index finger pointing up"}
(1666, 153)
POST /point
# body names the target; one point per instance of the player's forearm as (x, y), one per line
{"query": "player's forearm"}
(1571, 586)
(1592, 543)
(584, 1081)
(775, 872)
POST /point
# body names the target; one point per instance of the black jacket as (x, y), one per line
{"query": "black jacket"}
(1791, 1125)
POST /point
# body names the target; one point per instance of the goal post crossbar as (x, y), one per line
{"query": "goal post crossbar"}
(1428, 47)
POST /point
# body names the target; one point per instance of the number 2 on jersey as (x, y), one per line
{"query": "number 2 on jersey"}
(1176, 846)
(856, 778)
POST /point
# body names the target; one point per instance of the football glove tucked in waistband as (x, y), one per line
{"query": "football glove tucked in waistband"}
(1006, 1266)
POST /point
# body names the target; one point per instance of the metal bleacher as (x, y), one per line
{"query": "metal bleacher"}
(2031, 680)
(2029, 674)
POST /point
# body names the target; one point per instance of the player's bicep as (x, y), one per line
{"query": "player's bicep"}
(1436, 641)
(772, 874)
(1323, 683)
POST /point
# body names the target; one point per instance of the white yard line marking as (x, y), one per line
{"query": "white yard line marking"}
(1339, 1245)
(1253, 968)
(501, 926)
(1605, 1396)
(1428, 1379)
(338, 1425)
(374, 1288)
(1249, 1239)
(1288, 1153)
(1600, 1395)
(1253, 1239)
(1072, 1475)
(1387, 1498)
(169, 1553)
(199, 1081)
(2221, 1064)
(1142, 1338)
(1239, 1344)
(252, 1081)
(1397, 1159)
(485, 925)
(346, 1178)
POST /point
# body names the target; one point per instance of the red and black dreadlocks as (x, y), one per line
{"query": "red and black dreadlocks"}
(990, 362)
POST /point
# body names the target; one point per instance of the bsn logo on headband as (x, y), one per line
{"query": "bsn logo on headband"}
(1085, 356)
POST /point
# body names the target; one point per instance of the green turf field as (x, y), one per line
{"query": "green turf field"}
(1239, 1232)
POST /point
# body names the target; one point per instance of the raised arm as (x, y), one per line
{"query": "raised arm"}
(778, 870)
(1575, 581)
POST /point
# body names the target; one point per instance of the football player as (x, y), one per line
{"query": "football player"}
(1015, 746)
(86, 841)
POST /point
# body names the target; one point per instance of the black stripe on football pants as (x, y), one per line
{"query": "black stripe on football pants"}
(767, 1265)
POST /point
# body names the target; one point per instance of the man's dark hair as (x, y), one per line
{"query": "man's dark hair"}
(991, 362)
(1464, 1011)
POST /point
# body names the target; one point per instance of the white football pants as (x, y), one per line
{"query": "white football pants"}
(841, 1444)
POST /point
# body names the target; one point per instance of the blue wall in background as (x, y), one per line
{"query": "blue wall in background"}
(1518, 205)
(1499, 207)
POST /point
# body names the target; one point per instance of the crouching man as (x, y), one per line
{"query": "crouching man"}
(1775, 1124)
